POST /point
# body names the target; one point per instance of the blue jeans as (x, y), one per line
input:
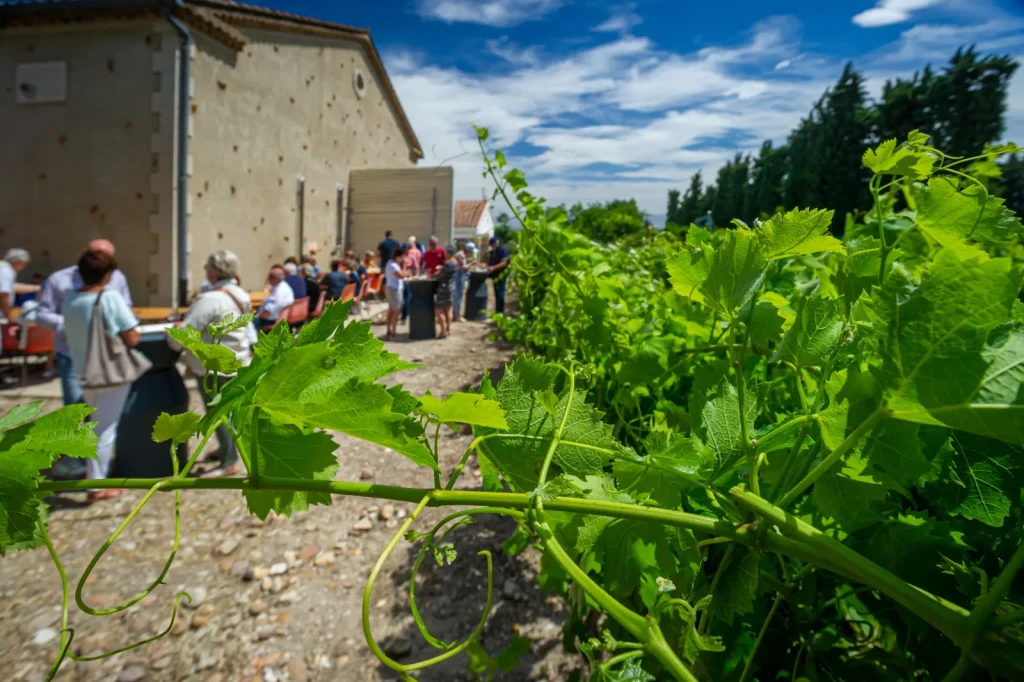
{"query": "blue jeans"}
(70, 384)
(460, 287)
(405, 304)
(499, 294)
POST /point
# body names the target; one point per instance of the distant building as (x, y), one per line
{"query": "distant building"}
(473, 221)
(175, 129)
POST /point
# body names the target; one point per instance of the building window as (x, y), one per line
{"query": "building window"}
(359, 83)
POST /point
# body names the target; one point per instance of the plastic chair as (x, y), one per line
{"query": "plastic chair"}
(298, 312)
(38, 341)
(319, 309)
(372, 286)
(10, 338)
(349, 292)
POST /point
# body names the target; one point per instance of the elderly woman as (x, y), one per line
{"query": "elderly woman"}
(223, 299)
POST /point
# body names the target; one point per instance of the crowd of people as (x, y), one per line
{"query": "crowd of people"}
(91, 300)
(448, 266)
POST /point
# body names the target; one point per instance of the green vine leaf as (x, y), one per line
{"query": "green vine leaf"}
(720, 427)
(176, 428)
(464, 408)
(950, 215)
(797, 233)
(229, 324)
(24, 450)
(815, 335)
(734, 595)
(285, 451)
(984, 479)
(672, 464)
(630, 671)
(215, 357)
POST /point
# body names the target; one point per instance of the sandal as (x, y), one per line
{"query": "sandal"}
(222, 472)
(105, 494)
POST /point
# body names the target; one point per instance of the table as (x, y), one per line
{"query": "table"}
(476, 296)
(161, 389)
(421, 308)
(157, 313)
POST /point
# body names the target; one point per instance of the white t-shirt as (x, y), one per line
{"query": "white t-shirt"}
(279, 298)
(7, 277)
(391, 274)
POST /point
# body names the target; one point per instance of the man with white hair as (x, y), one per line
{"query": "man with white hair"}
(14, 262)
(294, 280)
(223, 299)
(51, 298)
(277, 301)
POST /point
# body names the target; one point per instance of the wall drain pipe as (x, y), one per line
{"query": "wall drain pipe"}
(184, 92)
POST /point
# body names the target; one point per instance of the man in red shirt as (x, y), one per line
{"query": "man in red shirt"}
(435, 257)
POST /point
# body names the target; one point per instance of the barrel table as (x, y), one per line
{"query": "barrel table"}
(476, 296)
(421, 308)
(161, 389)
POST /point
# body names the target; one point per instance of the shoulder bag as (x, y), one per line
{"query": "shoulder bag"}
(108, 361)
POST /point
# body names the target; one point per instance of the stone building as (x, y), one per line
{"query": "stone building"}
(177, 127)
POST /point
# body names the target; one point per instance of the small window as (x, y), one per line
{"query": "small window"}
(359, 82)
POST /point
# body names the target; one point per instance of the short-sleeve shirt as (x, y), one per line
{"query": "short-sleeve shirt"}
(335, 282)
(386, 248)
(7, 277)
(434, 258)
(298, 286)
(394, 280)
(413, 259)
(280, 297)
(497, 255)
(77, 310)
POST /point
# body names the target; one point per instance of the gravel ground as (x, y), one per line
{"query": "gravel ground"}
(281, 600)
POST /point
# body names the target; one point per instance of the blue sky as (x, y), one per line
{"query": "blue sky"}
(602, 100)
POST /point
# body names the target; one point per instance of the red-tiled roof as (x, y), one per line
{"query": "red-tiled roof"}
(469, 213)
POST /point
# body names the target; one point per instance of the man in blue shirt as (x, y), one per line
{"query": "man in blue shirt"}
(497, 262)
(386, 248)
(292, 278)
(335, 280)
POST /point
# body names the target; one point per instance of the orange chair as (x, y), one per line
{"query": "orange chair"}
(320, 302)
(373, 282)
(349, 292)
(38, 341)
(298, 312)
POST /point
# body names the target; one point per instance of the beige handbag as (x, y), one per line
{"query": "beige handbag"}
(108, 362)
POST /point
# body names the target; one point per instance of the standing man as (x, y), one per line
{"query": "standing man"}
(51, 298)
(497, 262)
(386, 248)
(435, 256)
(14, 262)
(276, 302)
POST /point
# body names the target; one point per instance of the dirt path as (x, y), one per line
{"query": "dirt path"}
(302, 623)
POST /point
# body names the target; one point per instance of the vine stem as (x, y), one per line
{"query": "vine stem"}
(834, 456)
(749, 667)
(254, 451)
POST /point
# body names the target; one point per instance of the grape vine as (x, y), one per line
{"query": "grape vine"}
(763, 452)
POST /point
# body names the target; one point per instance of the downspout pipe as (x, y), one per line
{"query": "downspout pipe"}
(184, 91)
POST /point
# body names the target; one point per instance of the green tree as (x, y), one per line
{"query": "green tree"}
(767, 175)
(690, 208)
(672, 209)
(1011, 185)
(608, 222)
(503, 229)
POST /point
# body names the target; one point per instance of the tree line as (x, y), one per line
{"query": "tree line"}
(961, 107)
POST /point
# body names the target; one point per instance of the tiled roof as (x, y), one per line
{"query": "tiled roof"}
(214, 17)
(469, 213)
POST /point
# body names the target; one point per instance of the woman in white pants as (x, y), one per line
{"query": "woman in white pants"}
(95, 269)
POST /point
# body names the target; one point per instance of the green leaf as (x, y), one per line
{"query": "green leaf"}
(736, 271)
(327, 325)
(630, 671)
(229, 324)
(937, 364)
(24, 450)
(912, 547)
(734, 595)
(849, 494)
(895, 448)
(766, 324)
(796, 233)
(720, 426)
(673, 463)
(887, 159)
(687, 271)
(215, 357)
(285, 451)
(404, 401)
(984, 479)
(508, 660)
(176, 428)
(516, 180)
(815, 335)
(499, 158)
(950, 216)
(19, 414)
(634, 554)
(465, 408)
(586, 446)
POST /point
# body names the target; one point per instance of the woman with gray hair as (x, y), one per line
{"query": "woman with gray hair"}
(224, 298)
(14, 262)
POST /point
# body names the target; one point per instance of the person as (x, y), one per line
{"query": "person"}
(368, 261)
(496, 264)
(96, 268)
(311, 261)
(312, 286)
(434, 257)
(395, 288)
(463, 258)
(23, 296)
(51, 299)
(14, 262)
(443, 296)
(387, 248)
(277, 301)
(413, 257)
(292, 278)
(334, 281)
(223, 299)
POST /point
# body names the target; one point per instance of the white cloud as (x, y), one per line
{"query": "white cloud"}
(486, 12)
(622, 20)
(514, 54)
(888, 12)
